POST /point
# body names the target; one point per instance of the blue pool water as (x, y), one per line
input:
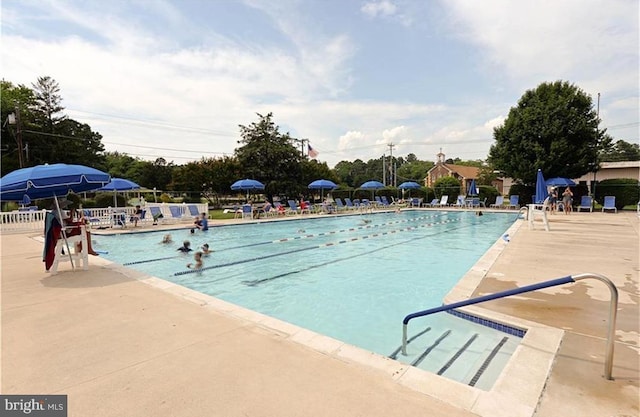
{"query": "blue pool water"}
(353, 278)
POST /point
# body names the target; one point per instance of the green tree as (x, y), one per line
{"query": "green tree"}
(414, 171)
(48, 103)
(553, 128)
(15, 104)
(621, 151)
(155, 174)
(270, 157)
(46, 134)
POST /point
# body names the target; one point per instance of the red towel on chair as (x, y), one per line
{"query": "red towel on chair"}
(52, 231)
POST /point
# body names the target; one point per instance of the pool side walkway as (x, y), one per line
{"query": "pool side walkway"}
(119, 347)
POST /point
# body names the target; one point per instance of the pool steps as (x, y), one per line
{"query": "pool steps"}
(465, 353)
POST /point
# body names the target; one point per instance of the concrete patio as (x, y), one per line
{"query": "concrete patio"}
(121, 344)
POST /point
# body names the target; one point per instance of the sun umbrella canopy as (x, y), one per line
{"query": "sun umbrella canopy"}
(120, 184)
(541, 189)
(247, 185)
(322, 185)
(372, 185)
(560, 182)
(46, 181)
(473, 188)
(409, 185)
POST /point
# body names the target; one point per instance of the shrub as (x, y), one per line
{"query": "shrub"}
(489, 192)
(106, 200)
(447, 186)
(625, 190)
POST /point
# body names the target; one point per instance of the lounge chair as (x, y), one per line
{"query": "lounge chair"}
(293, 207)
(176, 213)
(349, 204)
(609, 203)
(247, 211)
(499, 202)
(366, 205)
(514, 202)
(385, 202)
(340, 206)
(443, 201)
(156, 214)
(279, 208)
(415, 202)
(460, 202)
(193, 210)
(91, 221)
(433, 203)
(586, 202)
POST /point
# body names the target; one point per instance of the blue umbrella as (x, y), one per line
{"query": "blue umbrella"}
(372, 185)
(473, 189)
(541, 189)
(119, 184)
(247, 185)
(408, 185)
(560, 182)
(47, 181)
(322, 185)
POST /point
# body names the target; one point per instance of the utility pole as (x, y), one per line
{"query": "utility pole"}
(302, 142)
(384, 170)
(19, 137)
(392, 178)
(595, 164)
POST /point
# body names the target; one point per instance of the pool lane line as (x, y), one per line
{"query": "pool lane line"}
(150, 260)
(332, 232)
(273, 255)
(289, 239)
(335, 260)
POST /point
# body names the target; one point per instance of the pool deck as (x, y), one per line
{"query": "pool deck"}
(123, 345)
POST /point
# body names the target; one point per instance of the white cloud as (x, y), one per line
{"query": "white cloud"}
(380, 8)
(548, 39)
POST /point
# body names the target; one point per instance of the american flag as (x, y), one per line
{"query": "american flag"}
(312, 152)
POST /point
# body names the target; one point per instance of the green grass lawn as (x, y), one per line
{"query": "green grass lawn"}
(220, 215)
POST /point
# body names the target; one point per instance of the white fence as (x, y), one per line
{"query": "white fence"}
(33, 221)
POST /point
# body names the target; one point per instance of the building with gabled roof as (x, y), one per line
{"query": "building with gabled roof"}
(441, 169)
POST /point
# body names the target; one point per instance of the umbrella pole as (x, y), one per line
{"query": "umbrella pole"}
(64, 233)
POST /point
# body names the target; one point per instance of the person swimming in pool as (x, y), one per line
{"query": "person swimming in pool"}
(197, 257)
(186, 247)
(205, 249)
(167, 239)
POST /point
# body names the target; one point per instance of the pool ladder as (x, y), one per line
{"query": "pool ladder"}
(613, 308)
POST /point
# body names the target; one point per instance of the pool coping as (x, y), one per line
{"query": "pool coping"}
(516, 393)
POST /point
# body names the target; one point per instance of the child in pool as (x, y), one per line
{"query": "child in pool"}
(197, 257)
(205, 249)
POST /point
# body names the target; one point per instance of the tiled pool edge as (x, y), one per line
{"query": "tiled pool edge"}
(516, 392)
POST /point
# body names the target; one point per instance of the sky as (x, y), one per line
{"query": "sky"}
(358, 78)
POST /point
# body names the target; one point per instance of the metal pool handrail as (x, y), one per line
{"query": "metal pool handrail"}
(613, 310)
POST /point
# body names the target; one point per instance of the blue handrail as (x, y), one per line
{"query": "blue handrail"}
(613, 307)
(502, 294)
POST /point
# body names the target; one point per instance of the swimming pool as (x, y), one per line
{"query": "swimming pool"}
(353, 278)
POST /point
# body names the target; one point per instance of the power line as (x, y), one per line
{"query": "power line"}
(154, 123)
